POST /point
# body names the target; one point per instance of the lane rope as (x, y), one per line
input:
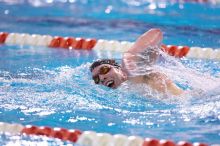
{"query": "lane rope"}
(90, 138)
(100, 45)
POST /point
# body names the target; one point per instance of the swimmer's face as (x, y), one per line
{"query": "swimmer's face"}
(108, 75)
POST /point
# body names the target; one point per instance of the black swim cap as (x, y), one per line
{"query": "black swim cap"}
(103, 61)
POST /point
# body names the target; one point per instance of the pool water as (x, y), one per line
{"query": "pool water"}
(53, 87)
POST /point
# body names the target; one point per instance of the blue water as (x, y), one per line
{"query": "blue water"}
(53, 87)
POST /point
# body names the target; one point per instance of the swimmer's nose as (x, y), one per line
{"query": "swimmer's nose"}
(102, 78)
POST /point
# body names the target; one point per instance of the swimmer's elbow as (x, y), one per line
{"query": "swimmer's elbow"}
(155, 30)
(156, 36)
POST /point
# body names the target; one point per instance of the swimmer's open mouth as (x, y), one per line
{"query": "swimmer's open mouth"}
(110, 84)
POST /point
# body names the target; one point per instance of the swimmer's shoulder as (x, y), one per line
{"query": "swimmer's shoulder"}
(140, 79)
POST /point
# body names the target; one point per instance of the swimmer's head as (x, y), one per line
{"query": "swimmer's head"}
(107, 72)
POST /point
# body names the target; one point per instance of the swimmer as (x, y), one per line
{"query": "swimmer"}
(109, 73)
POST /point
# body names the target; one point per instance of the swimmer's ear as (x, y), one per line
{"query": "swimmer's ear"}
(153, 37)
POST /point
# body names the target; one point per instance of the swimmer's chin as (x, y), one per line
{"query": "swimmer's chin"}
(113, 87)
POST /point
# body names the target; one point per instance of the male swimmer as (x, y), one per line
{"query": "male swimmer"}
(109, 73)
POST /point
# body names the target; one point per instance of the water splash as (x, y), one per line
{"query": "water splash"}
(68, 95)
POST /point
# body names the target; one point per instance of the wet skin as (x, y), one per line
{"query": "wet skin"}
(157, 81)
(113, 78)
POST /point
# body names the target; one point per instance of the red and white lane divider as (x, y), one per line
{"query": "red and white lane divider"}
(98, 45)
(90, 138)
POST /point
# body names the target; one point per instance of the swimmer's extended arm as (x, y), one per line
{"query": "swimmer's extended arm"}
(156, 80)
(149, 39)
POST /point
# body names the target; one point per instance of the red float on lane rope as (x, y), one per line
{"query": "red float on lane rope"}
(72, 43)
(67, 43)
(56, 42)
(177, 51)
(183, 143)
(151, 142)
(184, 51)
(89, 44)
(44, 131)
(78, 43)
(3, 36)
(167, 143)
(60, 133)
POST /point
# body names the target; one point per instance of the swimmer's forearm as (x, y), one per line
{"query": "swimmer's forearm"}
(153, 37)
